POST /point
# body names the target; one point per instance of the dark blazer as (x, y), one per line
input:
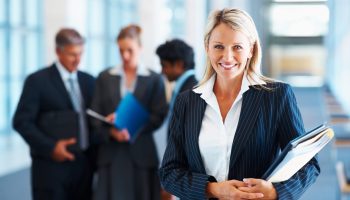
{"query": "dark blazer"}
(44, 92)
(149, 90)
(268, 121)
(190, 82)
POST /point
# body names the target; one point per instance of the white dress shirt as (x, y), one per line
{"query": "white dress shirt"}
(66, 75)
(119, 71)
(216, 136)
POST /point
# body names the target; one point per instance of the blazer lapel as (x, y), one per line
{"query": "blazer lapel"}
(197, 110)
(58, 83)
(250, 111)
(83, 87)
(140, 86)
(114, 90)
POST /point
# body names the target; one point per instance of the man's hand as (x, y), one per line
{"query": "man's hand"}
(60, 152)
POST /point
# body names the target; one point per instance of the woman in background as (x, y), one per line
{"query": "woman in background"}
(128, 171)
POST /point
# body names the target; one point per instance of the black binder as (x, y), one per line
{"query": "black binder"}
(61, 125)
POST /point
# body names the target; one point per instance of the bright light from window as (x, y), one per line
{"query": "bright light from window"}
(299, 20)
(299, 1)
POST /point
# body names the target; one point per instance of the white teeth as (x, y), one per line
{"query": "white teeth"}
(228, 66)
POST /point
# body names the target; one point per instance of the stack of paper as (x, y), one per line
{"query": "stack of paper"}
(297, 153)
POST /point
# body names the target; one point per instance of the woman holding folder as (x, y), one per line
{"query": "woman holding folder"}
(225, 133)
(127, 166)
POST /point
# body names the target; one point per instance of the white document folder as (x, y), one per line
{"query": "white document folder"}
(297, 153)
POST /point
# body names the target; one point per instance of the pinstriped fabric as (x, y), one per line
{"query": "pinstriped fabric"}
(268, 121)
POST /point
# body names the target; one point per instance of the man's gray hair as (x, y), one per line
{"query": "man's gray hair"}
(67, 36)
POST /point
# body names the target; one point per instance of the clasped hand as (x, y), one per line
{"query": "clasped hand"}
(119, 135)
(246, 189)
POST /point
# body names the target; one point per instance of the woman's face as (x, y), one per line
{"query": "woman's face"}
(129, 49)
(228, 51)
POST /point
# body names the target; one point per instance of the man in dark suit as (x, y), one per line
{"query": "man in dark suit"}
(177, 60)
(51, 118)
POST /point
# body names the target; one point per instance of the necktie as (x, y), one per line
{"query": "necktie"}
(78, 106)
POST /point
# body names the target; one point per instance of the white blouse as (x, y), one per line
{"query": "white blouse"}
(216, 137)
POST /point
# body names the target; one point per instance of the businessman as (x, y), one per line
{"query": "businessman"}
(51, 118)
(177, 60)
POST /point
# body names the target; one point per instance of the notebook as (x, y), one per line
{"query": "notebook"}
(297, 153)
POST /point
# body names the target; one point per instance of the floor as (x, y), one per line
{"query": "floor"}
(15, 185)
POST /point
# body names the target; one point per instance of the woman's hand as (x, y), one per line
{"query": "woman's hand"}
(120, 135)
(259, 186)
(111, 117)
(229, 190)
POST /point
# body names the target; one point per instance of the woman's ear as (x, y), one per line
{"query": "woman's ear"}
(206, 48)
(251, 52)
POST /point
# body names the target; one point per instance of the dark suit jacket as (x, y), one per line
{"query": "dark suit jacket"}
(44, 93)
(149, 90)
(190, 82)
(268, 121)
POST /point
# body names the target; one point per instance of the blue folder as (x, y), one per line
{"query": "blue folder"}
(132, 115)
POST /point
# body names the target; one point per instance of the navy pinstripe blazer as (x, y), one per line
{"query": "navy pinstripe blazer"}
(268, 121)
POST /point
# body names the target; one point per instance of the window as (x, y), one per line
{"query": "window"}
(2, 12)
(20, 52)
(178, 18)
(310, 20)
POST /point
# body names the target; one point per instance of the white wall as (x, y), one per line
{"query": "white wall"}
(54, 18)
(153, 20)
(58, 14)
(195, 27)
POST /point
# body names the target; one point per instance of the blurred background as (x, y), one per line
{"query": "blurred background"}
(305, 43)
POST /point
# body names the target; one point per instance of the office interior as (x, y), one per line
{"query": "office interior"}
(306, 43)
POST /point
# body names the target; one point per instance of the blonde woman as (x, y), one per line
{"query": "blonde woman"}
(225, 133)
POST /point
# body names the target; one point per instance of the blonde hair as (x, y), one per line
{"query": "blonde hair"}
(238, 20)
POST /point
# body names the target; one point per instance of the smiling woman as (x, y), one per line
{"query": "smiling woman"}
(221, 138)
(228, 51)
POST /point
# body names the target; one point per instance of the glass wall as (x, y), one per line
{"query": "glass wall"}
(20, 52)
(297, 30)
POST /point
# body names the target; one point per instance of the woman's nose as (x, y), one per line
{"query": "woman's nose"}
(228, 55)
(125, 55)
